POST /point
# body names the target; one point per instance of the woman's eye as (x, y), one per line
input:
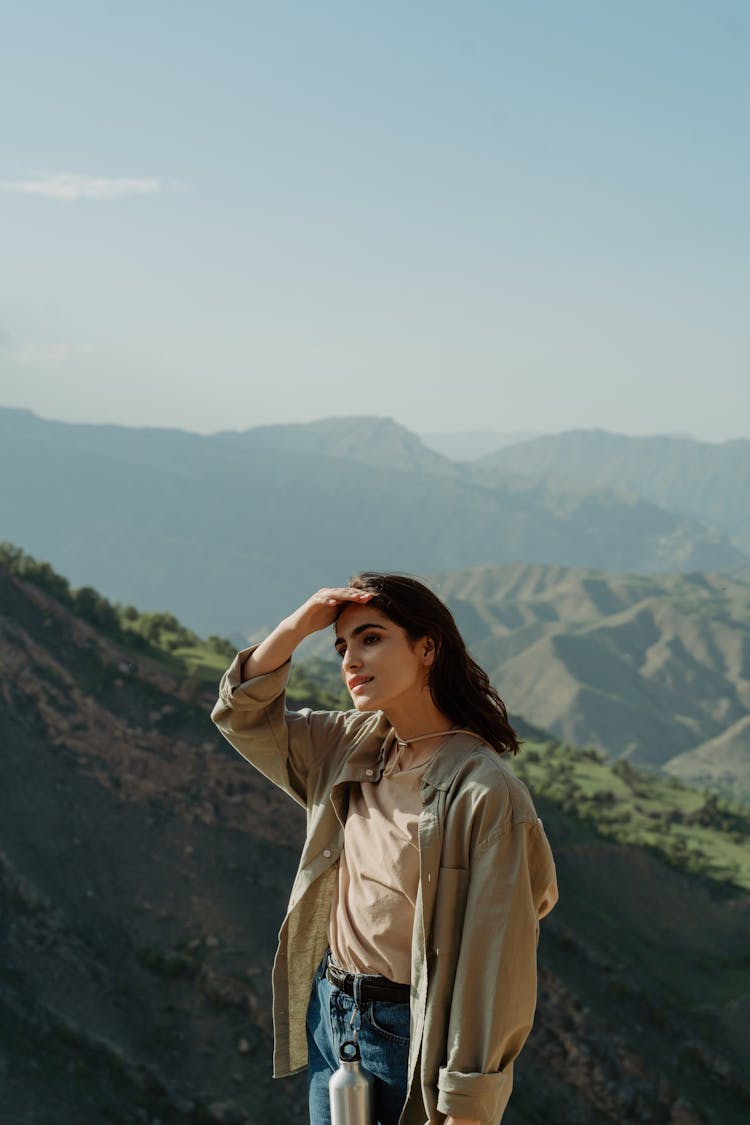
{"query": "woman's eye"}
(371, 638)
(340, 653)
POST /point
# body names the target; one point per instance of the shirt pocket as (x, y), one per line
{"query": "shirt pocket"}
(450, 906)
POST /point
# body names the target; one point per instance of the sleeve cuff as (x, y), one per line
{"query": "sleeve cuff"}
(482, 1096)
(236, 692)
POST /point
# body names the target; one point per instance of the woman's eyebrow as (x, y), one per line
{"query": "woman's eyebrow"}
(359, 629)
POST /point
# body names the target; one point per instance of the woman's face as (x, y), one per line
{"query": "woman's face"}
(381, 666)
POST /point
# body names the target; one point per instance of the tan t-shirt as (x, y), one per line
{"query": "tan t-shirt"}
(372, 914)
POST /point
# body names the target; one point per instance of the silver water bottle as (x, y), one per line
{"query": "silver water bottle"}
(351, 1089)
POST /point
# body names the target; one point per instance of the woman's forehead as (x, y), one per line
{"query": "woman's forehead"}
(355, 616)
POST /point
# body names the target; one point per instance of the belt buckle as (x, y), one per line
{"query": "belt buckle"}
(336, 975)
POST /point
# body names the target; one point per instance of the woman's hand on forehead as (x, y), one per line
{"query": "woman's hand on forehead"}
(344, 594)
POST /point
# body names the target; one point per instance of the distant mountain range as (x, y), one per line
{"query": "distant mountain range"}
(707, 481)
(144, 869)
(229, 531)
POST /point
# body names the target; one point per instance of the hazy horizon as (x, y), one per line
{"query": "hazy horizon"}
(521, 218)
(426, 436)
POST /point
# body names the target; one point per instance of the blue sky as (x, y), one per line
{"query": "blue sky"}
(517, 216)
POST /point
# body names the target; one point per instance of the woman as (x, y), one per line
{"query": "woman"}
(415, 910)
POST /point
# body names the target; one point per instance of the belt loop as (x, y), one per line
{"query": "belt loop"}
(357, 991)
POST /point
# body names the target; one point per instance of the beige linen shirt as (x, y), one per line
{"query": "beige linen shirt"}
(372, 916)
(486, 878)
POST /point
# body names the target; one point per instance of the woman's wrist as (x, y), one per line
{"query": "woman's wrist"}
(274, 651)
(295, 628)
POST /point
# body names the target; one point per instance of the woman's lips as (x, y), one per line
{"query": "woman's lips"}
(359, 681)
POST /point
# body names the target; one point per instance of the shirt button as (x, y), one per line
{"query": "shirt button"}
(369, 772)
(327, 853)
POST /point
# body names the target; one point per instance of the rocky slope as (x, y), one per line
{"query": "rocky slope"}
(144, 869)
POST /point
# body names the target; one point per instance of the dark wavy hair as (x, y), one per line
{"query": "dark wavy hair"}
(459, 687)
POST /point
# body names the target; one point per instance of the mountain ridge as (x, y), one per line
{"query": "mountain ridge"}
(378, 441)
(708, 481)
(228, 535)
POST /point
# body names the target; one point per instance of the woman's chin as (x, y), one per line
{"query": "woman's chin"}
(363, 703)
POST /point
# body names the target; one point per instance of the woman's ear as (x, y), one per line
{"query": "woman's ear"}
(430, 652)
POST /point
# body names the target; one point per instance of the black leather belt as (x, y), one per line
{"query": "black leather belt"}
(371, 988)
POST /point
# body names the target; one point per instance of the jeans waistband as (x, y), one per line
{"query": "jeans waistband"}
(363, 988)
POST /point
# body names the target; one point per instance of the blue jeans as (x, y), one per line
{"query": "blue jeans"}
(383, 1038)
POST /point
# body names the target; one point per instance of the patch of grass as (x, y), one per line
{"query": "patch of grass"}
(693, 830)
(159, 636)
(317, 684)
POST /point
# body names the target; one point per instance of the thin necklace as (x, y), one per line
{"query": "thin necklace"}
(402, 743)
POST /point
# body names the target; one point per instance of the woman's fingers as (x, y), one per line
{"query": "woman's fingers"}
(321, 609)
(344, 594)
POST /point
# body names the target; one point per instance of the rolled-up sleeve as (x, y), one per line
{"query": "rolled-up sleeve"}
(512, 885)
(252, 716)
(480, 1096)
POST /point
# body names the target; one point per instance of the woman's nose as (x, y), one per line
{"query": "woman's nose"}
(350, 661)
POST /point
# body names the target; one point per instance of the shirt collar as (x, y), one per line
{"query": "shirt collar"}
(367, 759)
(445, 765)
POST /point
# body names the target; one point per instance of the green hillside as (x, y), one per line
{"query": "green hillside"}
(695, 831)
(145, 867)
(161, 638)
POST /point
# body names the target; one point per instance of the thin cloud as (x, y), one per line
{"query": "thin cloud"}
(69, 187)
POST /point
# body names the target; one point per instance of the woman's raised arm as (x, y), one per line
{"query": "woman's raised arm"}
(315, 614)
